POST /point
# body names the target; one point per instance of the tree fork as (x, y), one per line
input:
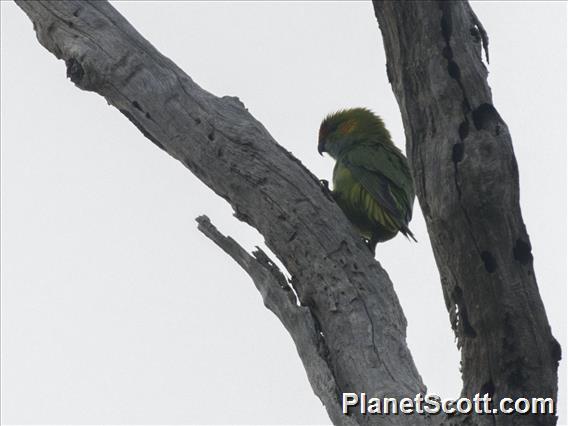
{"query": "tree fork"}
(349, 329)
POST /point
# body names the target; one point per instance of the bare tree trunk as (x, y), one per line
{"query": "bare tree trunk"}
(348, 327)
(350, 330)
(468, 187)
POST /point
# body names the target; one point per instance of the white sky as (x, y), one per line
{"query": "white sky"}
(115, 309)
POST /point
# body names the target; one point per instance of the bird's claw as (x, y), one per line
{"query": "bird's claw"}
(324, 184)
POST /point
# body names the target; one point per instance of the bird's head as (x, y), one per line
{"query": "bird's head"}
(343, 129)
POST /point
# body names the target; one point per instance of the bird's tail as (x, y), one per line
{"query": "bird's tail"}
(407, 233)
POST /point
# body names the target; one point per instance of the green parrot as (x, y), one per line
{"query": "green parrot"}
(371, 179)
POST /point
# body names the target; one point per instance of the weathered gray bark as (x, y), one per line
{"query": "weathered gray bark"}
(298, 320)
(360, 344)
(350, 329)
(467, 184)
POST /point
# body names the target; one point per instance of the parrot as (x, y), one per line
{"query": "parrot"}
(372, 182)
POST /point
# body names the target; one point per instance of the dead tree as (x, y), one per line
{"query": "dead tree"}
(468, 187)
(346, 321)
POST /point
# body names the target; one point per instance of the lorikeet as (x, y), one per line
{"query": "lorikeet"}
(371, 180)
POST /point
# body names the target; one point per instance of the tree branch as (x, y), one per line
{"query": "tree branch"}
(349, 296)
(467, 183)
(279, 298)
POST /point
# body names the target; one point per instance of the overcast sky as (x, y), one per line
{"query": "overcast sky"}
(115, 309)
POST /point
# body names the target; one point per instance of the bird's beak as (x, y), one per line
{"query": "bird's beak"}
(321, 147)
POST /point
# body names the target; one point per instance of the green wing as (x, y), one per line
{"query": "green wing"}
(384, 172)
